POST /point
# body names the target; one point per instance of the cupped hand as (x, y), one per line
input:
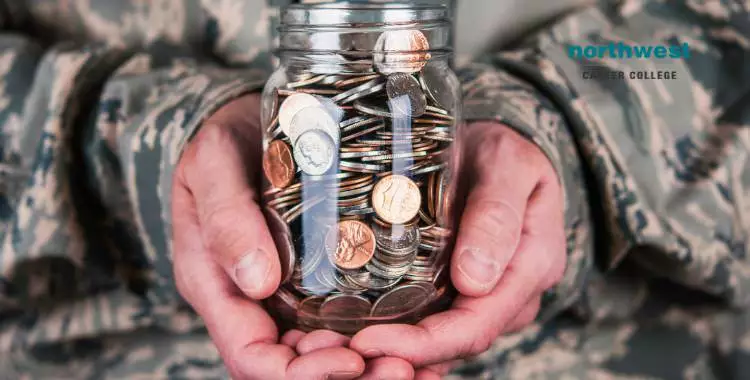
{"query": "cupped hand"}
(510, 248)
(225, 260)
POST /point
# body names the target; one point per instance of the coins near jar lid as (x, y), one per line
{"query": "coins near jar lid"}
(345, 312)
(282, 236)
(347, 82)
(401, 51)
(367, 88)
(401, 300)
(405, 95)
(350, 245)
(278, 164)
(315, 152)
(293, 104)
(396, 199)
(310, 118)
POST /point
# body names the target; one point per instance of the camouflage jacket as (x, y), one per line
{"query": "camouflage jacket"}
(97, 99)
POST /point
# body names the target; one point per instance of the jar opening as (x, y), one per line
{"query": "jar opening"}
(345, 14)
(335, 34)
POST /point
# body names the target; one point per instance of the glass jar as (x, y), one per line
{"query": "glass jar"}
(359, 153)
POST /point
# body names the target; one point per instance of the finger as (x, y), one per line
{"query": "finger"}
(243, 332)
(525, 317)
(232, 225)
(292, 337)
(388, 368)
(320, 339)
(427, 374)
(492, 220)
(337, 363)
(444, 368)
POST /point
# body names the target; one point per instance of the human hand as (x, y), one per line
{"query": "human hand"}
(225, 259)
(510, 248)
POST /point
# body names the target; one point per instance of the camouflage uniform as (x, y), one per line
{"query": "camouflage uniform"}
(97, 99)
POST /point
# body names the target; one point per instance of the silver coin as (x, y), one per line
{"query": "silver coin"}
(325, 275)
(401, 300)
(345, 313)
(397, 238)
(336, 112)
(310, 262)
(293, 104)
(315, 152)
(282, 236)
(310, 118)
(405, 95)
(384, 271)
(437, 86)
(369, 281)
(373, 108)
(365, 89)
(306, 81)
(344, 285)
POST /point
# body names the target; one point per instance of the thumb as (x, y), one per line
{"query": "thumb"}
(492, 220)
(215, 169)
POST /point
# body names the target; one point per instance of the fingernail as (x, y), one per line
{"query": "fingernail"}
(342, 375)
(482, 269)
(373, 353)
(251, 271)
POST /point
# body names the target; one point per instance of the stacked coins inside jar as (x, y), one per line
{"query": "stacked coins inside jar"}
(359, 149)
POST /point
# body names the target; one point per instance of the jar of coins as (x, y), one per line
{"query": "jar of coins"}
(359, 154)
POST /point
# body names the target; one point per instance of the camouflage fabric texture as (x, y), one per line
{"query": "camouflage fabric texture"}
(97, 99)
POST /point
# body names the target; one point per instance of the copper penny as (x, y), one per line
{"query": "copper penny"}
(351, 244)
(396, 199)
(278, 164)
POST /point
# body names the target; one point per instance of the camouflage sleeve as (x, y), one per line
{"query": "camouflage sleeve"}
(651, 151)
(89, 136)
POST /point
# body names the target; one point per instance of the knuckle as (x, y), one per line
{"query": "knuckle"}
(220, 230)
(497, 221)
(480, 345)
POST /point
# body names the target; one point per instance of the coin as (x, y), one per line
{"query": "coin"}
(310, 118)
(345, 313)
(350, 245)
(401, 51)
(314, 152)
(401, 300)
(282, 236)
(405, 95)
(293, 104)
(396, 238)
(396, 199)
(278, 164)
(372, 282)
(308, 312)
(372, 87)
(306, 81)
(436, 86)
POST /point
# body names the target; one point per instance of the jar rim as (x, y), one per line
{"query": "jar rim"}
(348, 13)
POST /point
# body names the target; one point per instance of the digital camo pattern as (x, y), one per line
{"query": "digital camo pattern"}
(655, 176)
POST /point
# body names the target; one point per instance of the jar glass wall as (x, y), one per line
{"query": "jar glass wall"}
(359, 151)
